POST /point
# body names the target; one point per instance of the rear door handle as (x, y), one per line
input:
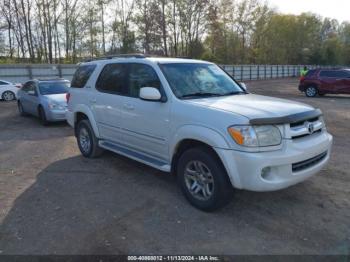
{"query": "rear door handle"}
(128, 106)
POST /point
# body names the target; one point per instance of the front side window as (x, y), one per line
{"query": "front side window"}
(82, 75)
(191, 80)
(141, 75)
(52, 88)
(113, 79)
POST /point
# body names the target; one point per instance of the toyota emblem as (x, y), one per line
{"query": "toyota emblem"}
(311, 128)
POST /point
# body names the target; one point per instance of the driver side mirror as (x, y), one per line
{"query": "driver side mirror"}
(150, 94)
(244, 86)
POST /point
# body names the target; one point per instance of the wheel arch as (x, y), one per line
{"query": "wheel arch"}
(82, 112)
(186, 144)
(189, 136)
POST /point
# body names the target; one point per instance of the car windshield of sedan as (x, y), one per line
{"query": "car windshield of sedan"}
(53, 88)
(196, 80)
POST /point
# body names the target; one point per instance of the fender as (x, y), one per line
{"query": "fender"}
(210, 137)
(87, 111)
(203, 134)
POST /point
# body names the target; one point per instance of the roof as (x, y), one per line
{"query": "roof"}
(139, 57)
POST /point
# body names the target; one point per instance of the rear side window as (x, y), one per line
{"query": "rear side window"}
(82, 75)
(334, 73)
(113, 79)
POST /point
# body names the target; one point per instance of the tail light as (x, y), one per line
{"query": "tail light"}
(302, 78)
(67, 97)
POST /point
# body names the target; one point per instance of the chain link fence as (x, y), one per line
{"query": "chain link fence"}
(22, 73)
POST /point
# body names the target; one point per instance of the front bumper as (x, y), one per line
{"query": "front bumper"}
(301, 88)
(56, 115)
(246, 169)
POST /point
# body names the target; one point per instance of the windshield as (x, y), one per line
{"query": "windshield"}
(191, 80)
(52, 88)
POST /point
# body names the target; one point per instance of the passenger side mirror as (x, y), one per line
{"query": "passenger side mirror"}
(244, 86)
(31, 93)
(150, 94)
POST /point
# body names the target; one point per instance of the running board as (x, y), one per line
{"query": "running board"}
(140, 157)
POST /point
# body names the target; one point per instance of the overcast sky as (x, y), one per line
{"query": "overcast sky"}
(339, 9)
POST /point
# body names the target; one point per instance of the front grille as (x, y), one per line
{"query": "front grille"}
(296, 167)
(302, 128)
(300, 136)
(302, 122)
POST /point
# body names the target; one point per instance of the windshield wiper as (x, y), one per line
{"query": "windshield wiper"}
(233, 93)
(200, 94)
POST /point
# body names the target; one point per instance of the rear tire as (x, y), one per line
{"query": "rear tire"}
(203, 179)
(311, 91)
(8, 96)
(87, 141)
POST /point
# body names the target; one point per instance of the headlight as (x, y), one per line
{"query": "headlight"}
(255, 136)
(321, 118)
(55, 106)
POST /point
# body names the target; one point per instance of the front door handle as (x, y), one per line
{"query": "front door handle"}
(128, 106)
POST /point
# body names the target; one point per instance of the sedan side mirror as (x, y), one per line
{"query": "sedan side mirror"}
(244, 86)
(150, 94)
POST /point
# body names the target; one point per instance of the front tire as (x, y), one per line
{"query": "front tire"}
(311, 91)
(8, 96)
(87, 141)
(20, 109)
(42, 116)
(203, 179)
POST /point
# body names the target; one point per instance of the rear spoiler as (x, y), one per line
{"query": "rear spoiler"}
(290, 119)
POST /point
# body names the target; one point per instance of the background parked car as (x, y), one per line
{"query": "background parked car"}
(45, 99)
(325, 81)
(8, 90)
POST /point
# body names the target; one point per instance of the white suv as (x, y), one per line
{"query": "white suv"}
(191, 118)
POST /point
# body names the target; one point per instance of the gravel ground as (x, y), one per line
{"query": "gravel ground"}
(54, 201)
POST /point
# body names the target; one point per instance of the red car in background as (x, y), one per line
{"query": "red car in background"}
(325, 81)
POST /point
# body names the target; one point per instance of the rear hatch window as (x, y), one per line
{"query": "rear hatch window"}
(82, 75)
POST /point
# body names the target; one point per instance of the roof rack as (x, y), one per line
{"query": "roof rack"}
(116, 56)
(51, 79)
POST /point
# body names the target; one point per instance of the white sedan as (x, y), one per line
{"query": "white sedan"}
(8, 90)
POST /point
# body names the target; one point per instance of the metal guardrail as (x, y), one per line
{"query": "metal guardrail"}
(19, 73)
(262, 72)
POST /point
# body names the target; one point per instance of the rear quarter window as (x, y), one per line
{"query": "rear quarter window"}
(82, 75)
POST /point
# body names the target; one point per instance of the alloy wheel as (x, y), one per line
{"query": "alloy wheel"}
(84, 140)
(311, 91)
(199, 180)
(8, 96)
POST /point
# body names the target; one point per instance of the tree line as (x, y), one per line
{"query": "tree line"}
(223, 31)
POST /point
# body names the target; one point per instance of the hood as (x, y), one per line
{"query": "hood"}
(254, 106)
(57, 98)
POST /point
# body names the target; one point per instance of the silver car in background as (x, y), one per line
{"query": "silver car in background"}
(45, 99)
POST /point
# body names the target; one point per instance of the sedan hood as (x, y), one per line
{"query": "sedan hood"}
(254, 106)
(57, 98)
